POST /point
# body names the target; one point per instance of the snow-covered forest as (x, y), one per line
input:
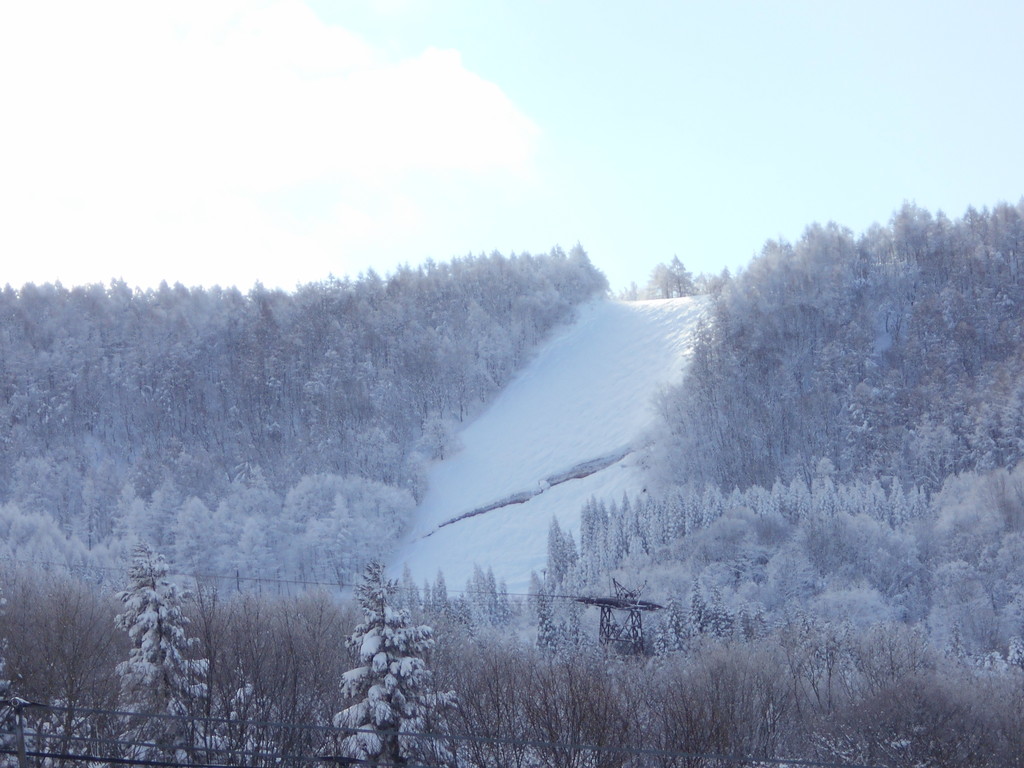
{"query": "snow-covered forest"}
(833, 518)
(249, 679)
(275, 434)
(895, 354)
(845, 447)
(849, 436)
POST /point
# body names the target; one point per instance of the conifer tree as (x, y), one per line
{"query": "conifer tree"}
(408, 592)
(1015, 652)
(158, 678)
(428, 598)
(505, 611)
(440, 595)
(675, 629)
(561, 554)
(699, 612)
(720, 618)
(482, 597)
(392, 687)
(7, 714)
(546, 631)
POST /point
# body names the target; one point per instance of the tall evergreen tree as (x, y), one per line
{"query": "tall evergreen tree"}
(561, 554)
(700, 614)
(7, 713)
(674, 634)
(158, 678)
(392, 687)
(547, 634)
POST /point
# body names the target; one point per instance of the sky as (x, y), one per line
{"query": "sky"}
(282, 141)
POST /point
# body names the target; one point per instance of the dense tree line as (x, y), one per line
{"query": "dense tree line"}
(221, 426)
(848, 442)
(837, 535)
(672, 281)
(734, 565)
(270, 675)
(837, 502)
(894, 354)
(839, 486)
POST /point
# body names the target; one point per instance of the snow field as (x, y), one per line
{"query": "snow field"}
(587, 394)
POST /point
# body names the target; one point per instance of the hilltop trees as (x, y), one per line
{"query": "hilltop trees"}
(670, 281)
(145, 411)
(855, 349)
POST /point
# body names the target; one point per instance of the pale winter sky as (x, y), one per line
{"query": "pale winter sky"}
(224, 141)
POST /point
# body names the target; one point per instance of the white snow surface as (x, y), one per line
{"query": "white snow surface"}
(588, 394)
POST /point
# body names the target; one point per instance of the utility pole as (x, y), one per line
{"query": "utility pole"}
(18, 704)
(630, 635)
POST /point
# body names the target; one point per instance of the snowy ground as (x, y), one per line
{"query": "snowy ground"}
(582, 404)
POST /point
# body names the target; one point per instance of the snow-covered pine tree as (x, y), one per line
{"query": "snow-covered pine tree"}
(7, 713)
(1015, 652)
(505, 610)
(593, 541)
(720, 618)
(408, 592)
(392, 687)
(561, 554)
(439, 596)
(158, 678)
(700, 618)
(482, 598)
(491, 588)
(674, 634)
(546, 634)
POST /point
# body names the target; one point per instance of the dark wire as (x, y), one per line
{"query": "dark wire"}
(175, 764)
(463, 738)
(201, 577)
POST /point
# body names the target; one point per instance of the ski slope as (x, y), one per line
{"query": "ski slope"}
(566, 428)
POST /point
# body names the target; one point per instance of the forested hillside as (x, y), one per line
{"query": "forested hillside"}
(845, 449)
(895, 354)
(283, 431)
(833, 523)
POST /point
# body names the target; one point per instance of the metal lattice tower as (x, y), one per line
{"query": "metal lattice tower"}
(628, 635)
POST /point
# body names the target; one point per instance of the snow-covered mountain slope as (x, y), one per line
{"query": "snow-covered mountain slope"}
(565, 429)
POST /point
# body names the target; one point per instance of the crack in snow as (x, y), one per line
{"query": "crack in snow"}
(575, 472)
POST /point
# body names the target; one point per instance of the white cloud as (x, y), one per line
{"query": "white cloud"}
(150, 140)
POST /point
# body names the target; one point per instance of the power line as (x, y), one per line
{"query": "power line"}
(128, 745)
(278, 759)
(199, 578)
(634, 751)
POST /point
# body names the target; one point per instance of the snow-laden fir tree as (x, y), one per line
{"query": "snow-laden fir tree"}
(488, 602)
(674, 632)
(392, 687)
(439, 599)
(547, 631)
(7, 713)
(700, 615)
(561, 554)
(1015, 652)
(158, 677)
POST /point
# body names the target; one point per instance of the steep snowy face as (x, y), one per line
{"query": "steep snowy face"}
(565, 429)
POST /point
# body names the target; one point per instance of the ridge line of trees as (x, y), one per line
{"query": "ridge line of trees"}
(895, 354)
(276, 433)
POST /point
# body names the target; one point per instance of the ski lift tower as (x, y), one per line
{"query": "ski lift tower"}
(629, 634)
